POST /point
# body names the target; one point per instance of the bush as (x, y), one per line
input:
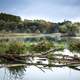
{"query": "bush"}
(74, 46)
(42, 46)
(16, 48)
(3, 47)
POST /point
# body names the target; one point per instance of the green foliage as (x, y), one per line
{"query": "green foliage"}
(42, 46)
(11, 23)
(63, 29)
(50, 56)
(9, 17)
(60, 45)
(74, 45)
(16, 48)
(68, 27)
(3, 47)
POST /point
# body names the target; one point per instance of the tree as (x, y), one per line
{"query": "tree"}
(9, 17)
(2, 25)
(63, 29)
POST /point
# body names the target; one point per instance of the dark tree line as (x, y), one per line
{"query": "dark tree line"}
(12, 23)
(9, 18)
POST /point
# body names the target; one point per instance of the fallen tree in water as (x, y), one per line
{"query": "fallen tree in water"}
(41, 64)
(64, 60)
(27, 59)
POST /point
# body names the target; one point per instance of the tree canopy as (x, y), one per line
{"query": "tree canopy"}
(12, 23)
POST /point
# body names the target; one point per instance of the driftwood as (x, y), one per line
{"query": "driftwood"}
(41, 64)
(51, 50)
(54, 57)
(63, 60)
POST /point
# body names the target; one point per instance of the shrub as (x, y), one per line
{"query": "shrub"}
(42, 46)
(74, 45)
(16, 48)
(3, 47)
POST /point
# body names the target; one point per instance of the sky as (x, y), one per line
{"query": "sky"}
(50, 10)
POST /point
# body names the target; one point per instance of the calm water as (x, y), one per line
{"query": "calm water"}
(34, 73)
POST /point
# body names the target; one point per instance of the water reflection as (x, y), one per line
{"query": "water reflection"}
(34, 73)
(12, 73)
(17, 71)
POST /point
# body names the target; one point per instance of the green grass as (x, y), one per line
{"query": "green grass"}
(60, 45)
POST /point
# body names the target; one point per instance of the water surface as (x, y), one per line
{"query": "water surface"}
(34, 73)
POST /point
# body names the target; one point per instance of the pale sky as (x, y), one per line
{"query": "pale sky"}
(51, 10)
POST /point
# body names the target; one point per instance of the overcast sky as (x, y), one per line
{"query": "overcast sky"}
(51, 10)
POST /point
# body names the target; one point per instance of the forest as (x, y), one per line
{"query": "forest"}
(14, 24)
